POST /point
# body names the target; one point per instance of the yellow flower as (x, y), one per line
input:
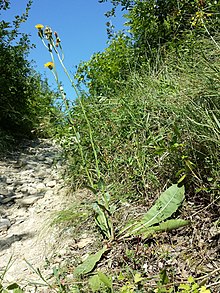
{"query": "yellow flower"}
(39, 26)
(49, 65)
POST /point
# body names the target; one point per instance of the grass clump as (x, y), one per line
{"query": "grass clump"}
(163, 126)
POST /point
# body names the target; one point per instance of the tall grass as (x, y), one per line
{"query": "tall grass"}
(162, 127)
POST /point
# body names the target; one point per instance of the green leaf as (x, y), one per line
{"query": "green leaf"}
(106, 280)
(89, 264)
(182, 178)
(103, 221)
(184, 287)
(216, 120)
(162, 227)
(191, 280)
(163, 277)
(94, 283)
(137, 278)
(121, 277)
(164, 207)
(13, 286)
(18, 290)
(97, 280)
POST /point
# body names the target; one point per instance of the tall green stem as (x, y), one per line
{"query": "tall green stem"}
(82, 107)
(54, 71)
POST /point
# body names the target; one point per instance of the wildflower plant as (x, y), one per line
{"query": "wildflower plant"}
(52, 43)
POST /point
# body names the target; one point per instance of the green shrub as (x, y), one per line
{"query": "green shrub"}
(25, 99)
(105, 72)
(160, 127)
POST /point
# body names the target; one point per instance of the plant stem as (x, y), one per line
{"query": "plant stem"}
(83, 109)
(71, 120)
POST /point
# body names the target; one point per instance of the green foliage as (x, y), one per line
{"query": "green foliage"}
(192, 286)
(155, 26)
(163, 208)
(105, 72)
(164, 285)
(10, 32)
(103, 220)
(26, 102)
(89, 264)
(127, 130)
(100, 282)
(154, 23)
(4, 4)
(13, 287)
(158, 126)
(71, 216)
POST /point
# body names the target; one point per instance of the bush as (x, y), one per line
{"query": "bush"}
(160, 127)
(105, 72)
(25, 99)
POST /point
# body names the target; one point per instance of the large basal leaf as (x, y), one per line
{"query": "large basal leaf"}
(162, 227)
(89, 264)
(164, 207)
(103, 220)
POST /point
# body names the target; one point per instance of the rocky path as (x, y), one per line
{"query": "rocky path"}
(31, 190)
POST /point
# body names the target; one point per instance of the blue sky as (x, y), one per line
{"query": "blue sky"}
(79, 23)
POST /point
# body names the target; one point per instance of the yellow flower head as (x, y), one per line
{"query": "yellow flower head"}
(39, 26)
(49, 65)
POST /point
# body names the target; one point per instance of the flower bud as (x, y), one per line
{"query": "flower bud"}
(48, 32)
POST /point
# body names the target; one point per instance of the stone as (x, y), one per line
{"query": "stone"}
(4, 191)
(40, 157)
(41, 174)
(9, 181)
(7, 199)
(19, 195)
(51, 183)
(40, 186)
(4, 224)
(10, 189)
(31, 190)
(3, 179)
(27, 201)
(18, 182)
(2, 212)
(49, 161)
(23, 189)
(30, 184)
(49, 193)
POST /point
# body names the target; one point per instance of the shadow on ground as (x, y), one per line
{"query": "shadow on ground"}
(6, 243)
